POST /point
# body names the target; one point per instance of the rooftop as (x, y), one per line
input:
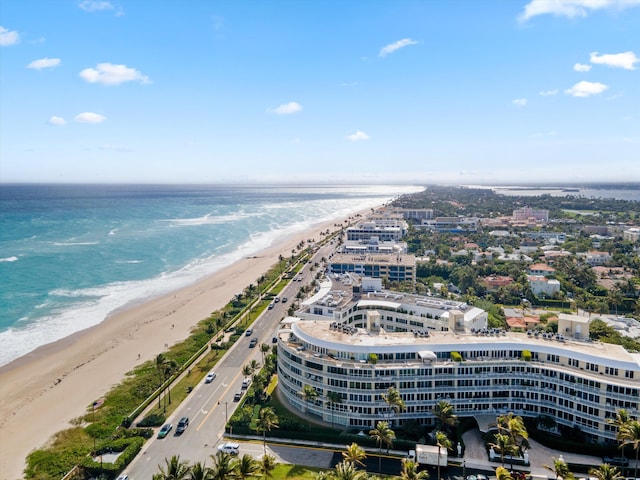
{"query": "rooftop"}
(359, 340)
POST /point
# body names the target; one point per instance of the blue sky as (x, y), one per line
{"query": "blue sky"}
(295, 91)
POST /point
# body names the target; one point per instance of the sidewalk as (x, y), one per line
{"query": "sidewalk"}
(539, 456)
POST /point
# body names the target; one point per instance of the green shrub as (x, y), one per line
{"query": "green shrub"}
(456, 357)
(128, 448)
(152, 420)
(526, 355)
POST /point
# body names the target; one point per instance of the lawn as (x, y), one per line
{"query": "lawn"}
(294, 472)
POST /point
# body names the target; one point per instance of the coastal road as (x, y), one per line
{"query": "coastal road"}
(210, 405)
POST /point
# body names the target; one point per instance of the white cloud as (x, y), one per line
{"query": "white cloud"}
(95, 5)
(44, 63)
(626, 60)
(520, 102)
(57, 121)
(287, 108)
(8, 37)
(359, 135)
(110, 74)
(89, 117)
(549, 93)
(572, 8)
(586, 89)
(392, 47)
(581, 67)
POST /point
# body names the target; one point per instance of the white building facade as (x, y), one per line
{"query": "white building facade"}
(577, 383)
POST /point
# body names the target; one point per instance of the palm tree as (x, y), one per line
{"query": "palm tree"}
(264, 349)
(159, 363)
(222, 466)
(308, 393)
(255, 365)
(394, 401)
(630, 435)
(445, 414)
(266, 465)
(175, 469)
(267, 419)
(382, 434)
(355, 454)
(347, 471)
(606, 472)
(322, 475)
(442, 441)
(199, 471)
(502, 443)
(245, 467)
(560, 469)
(170, 367)
(333, 398)
(247, 371)
(621, 420)
(410, 471)
(513, 426)
(502, 474)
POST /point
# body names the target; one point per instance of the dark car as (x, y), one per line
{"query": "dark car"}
(253, 342)
(182, 425)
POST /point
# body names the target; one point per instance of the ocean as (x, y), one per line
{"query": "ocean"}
(72, 254)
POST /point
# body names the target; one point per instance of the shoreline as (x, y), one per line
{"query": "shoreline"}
(42, 391)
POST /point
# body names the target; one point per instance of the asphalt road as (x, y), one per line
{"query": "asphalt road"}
(209, 405)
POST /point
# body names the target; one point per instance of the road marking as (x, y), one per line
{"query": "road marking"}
(206, 417)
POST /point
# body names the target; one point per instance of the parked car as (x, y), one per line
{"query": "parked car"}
(237, 396)
(123, 477)
(271, 305)
(248, 332)
(210, 376)
(274, 340)
(284, 299)
(253, 342)
(164, 431)
(182, 425)
(230, 448)
(245, 383)
(276, 300)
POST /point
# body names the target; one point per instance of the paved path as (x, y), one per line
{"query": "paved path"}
(539, 455)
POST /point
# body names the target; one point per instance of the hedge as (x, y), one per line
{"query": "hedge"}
(129, 448)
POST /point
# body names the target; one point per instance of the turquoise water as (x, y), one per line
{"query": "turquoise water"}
(71, 254)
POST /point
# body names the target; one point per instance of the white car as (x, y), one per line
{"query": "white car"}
(123, 477)
(230, 448)
(210, 376)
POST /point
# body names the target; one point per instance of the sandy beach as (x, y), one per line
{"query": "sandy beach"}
(41, 392)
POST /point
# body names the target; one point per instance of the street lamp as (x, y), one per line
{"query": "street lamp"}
(464, 469)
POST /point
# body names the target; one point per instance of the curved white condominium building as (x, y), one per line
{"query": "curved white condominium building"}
(357, 346)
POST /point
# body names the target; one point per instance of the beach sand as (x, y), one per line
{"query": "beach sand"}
(41, 392)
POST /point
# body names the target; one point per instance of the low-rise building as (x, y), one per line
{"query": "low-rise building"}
(597, 258)
(451, 224)
(541, 269)
(543, 286)
(631, 235)
(494, 282)
(527, 213)
(393, 267)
